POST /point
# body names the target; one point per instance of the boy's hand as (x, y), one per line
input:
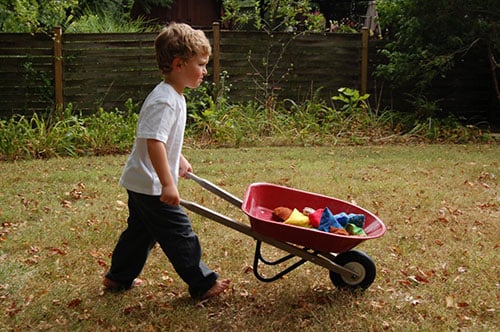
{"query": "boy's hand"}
(184, 167)
(170, 195)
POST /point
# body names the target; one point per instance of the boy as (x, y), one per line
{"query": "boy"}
(153, 167)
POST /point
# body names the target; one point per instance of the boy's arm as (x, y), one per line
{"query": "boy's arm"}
(158, 156)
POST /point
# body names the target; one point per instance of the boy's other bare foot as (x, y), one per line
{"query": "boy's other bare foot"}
(218, 288)
(115, 286)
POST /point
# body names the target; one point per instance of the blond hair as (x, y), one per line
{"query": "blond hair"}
(179, 40)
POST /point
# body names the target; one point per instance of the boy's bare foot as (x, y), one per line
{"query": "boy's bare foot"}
(116, 286)
(218, 288)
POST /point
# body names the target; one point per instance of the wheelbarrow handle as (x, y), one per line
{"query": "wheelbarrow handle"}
(216, 190)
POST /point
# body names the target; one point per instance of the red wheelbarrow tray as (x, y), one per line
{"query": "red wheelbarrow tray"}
(262, 198)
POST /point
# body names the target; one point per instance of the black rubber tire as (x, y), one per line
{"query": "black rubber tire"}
(359, 262)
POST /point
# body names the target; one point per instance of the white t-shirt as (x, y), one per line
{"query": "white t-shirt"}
(162, 117)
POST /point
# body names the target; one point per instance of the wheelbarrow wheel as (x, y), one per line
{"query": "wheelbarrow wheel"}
(358, 262)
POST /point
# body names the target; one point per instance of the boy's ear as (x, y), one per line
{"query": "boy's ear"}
(177, 63)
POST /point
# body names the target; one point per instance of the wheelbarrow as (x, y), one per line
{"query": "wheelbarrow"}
(348, 268)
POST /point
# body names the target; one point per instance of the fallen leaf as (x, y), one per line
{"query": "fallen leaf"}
(102, 263)
(34, 250)
(32, 260)
(130, 309)
(450, 301)
(56, 251)
(469, 183)
(12, 310)
(396, 250)
(74, 303)
(121, 203)
(75, 194)
(95, 254)
(377, 304)
(65, 203)
(443, 220)
(439, 242)
(405, 282)
(421, 279)
(414, 280)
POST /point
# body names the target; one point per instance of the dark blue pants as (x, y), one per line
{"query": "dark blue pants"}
(151, 221)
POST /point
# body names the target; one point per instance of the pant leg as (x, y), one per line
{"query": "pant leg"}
(171, 228)
(182, 247)
(132, 248)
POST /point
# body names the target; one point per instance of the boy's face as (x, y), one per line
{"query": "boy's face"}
(194, 70)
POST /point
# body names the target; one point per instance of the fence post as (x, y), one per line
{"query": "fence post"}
(58, 70)
(364, 59)
(216, 53)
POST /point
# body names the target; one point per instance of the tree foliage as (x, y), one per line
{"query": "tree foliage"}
(272, 15)
(101, 15)
(34, 16)
(428, 37)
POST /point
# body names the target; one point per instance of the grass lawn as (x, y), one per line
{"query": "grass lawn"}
(437, 264)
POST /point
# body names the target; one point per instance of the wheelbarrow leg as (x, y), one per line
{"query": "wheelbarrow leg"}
(259, 258)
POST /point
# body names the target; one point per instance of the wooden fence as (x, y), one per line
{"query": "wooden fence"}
(41, 71)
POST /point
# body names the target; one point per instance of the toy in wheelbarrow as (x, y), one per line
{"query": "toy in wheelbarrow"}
(348, 268)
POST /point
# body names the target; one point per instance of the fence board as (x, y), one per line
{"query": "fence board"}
(25, 41)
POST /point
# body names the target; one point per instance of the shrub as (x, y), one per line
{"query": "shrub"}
(112, 132)
(66, 134)
(216, 122)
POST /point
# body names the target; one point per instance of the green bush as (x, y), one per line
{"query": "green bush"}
(67, 134)
(36, 137)
(112, 132)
